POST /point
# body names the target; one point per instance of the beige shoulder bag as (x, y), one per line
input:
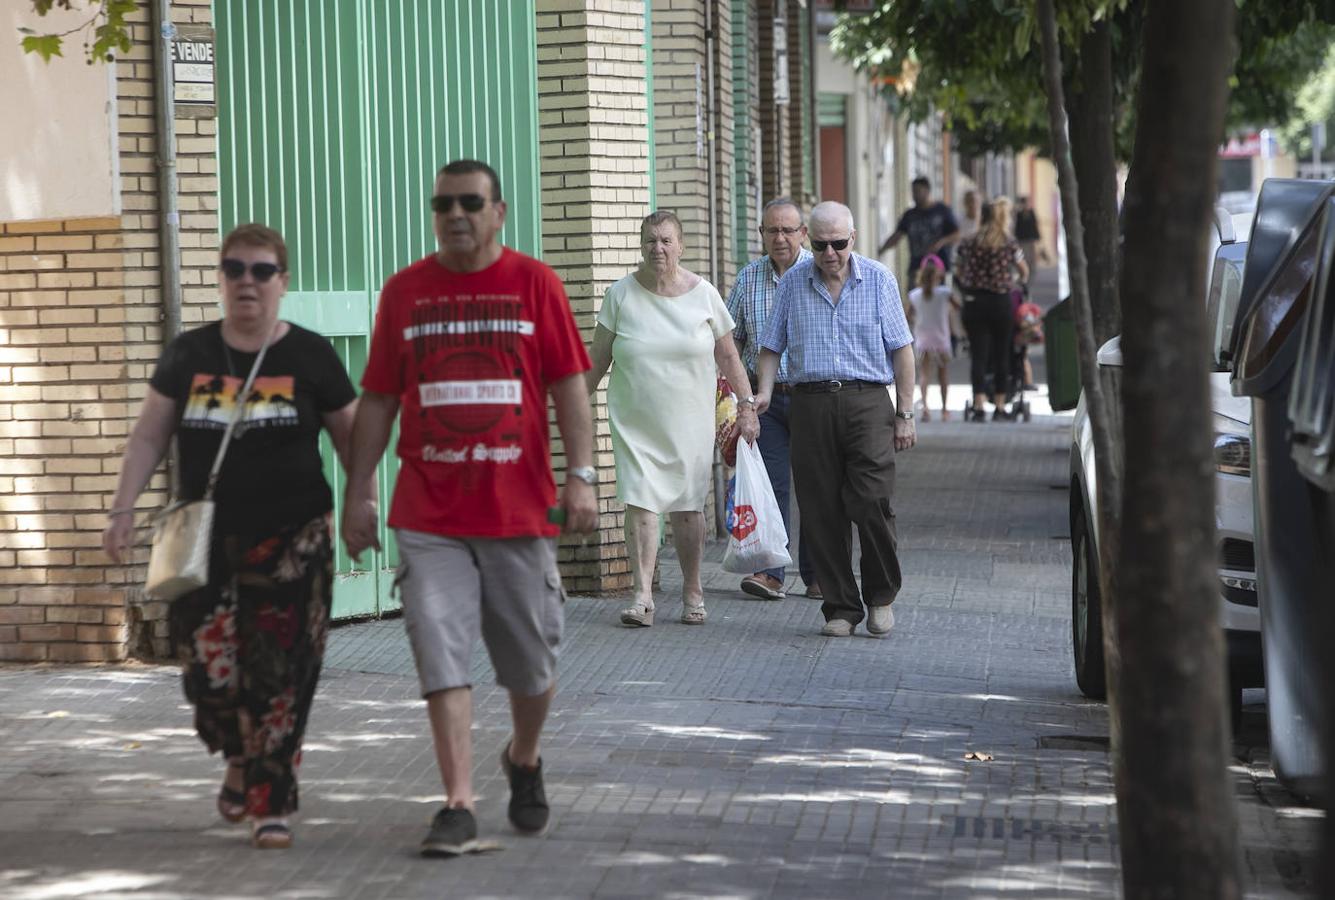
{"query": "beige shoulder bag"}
(183, 532)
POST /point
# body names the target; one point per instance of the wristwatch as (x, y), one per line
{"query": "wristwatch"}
(586, 474)
(906, 414)
(751, 401)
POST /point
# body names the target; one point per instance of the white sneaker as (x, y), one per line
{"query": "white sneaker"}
(837, 628)
(880, 619)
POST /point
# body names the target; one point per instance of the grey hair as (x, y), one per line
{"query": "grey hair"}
(832, 213)
(784, 201)
(662, 217)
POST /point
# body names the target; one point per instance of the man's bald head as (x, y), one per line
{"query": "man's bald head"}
(831, 216)
(831, 225)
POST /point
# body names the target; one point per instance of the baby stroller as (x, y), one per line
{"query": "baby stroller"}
(1028, 331)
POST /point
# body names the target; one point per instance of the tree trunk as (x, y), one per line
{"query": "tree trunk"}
(1102, 414)
(1174, 798)
(1093, 154)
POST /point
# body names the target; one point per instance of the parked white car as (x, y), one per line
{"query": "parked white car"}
(1233, 498)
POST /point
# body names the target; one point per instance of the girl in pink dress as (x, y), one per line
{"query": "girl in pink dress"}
(930, 304)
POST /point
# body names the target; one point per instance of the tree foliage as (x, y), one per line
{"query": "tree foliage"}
(976, 63)
(106, 32)
(979, 65)
(1314, 103)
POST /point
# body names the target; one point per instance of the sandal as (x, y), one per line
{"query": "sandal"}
(693, 615)
(231, 802)
(271, 834)
(638, 615)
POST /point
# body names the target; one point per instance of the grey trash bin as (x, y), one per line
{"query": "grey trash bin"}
(1312, 442)
(1276, 292)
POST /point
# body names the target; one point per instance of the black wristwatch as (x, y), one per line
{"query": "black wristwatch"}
(904, 414)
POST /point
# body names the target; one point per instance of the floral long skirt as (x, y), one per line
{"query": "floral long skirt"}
(251, 643)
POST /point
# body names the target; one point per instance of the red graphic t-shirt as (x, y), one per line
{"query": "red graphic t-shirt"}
(470, 357)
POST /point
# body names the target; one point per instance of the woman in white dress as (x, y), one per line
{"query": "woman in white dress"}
(664, 331)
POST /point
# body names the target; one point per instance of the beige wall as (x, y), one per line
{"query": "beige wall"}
(58, 155)
(1036, 178)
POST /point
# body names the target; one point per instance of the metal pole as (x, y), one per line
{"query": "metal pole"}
(169, 216)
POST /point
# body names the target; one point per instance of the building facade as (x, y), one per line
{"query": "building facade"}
(330, 129)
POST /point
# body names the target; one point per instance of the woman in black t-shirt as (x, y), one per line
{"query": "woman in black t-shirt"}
(253, 639)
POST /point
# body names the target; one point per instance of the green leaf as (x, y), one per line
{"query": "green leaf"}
(1024, 35)
(45, 45)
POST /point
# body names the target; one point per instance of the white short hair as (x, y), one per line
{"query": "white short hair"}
(831, 214)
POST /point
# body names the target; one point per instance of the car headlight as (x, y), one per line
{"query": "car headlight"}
(1233, 454)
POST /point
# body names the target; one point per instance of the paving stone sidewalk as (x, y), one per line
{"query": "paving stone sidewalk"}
(747, 758)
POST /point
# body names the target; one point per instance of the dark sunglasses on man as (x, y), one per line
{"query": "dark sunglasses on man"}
(819, 246)
(443, 203)
(235, 269)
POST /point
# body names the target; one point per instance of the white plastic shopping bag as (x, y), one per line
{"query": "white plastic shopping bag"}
(756, 538)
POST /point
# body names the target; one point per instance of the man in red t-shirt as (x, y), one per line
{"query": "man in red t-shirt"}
(468, 343)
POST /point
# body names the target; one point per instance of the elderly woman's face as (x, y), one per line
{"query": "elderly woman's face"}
(251, 284)
(660, 245)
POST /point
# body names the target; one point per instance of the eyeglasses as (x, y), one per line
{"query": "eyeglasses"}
(234, 269)
(819, 246)
(775, 232)
(443, 203)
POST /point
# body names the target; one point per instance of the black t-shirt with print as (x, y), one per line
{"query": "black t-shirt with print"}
(272, 474)
(924, 227)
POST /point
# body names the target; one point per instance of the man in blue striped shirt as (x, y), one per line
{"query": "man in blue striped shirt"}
(839, 317)
(782, 231)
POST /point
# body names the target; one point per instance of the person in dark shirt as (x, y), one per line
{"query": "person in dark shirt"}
(930, 227)
(1027, 234)
(252, 640)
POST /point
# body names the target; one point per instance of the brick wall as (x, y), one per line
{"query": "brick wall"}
(79, 332)
(681, 125)
(722, 139)
(595, 185)
(797, 113)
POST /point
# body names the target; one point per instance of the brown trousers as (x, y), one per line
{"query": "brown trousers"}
(843, 449)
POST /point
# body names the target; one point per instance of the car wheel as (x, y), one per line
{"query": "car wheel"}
(1086, 610)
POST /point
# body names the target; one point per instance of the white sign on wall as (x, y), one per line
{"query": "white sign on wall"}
(192, 62)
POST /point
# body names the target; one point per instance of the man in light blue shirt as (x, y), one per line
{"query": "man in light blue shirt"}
(782, 231)
(839, 317)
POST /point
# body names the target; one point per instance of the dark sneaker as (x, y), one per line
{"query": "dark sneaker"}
(528, 801)
(453, 833)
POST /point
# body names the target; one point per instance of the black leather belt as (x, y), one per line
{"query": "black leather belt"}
(834, 387)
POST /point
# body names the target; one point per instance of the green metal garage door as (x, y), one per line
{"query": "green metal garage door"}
(333, 116)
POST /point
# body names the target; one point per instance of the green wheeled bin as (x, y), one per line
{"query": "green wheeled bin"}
(1061, 356)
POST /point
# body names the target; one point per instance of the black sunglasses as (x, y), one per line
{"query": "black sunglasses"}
(262, 271)
(819, 246)
(443, 203)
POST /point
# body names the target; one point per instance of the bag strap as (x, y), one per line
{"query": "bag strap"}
(239, 411)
